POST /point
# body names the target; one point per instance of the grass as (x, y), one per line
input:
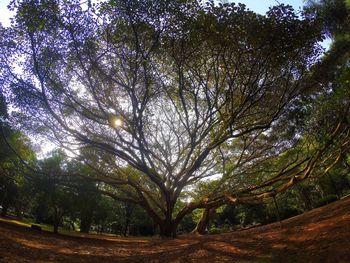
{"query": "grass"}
(28, 222)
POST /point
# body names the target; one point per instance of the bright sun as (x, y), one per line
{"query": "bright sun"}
(118, 122)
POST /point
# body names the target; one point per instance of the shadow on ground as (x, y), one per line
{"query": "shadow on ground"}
(321, 235)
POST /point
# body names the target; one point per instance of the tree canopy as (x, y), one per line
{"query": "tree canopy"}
(156, 96)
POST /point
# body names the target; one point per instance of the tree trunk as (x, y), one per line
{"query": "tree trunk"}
(85, 224)
(55, 227)
(57, 219)
(305, 197)
(18, 210)
(167, 228)
(128, 211)
(334, 186)
(126, 227)
(322, 188)
(277, 211)
(167, 225)
(202, 224)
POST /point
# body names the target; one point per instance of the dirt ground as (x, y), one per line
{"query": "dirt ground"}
(321, 235)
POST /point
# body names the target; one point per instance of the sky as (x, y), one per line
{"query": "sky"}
(259, 6)
(4, 13)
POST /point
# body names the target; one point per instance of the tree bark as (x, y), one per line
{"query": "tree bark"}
(55, 228)
(85, 224)
(277, 211)
(128, 212)
(334, 186)
(305, 197)
(57, 219)
(202, 224)
(167, 228)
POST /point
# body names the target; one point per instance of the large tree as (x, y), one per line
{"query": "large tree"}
(151, 94)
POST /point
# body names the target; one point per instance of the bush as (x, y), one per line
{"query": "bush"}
(217, 230)
(326, 200)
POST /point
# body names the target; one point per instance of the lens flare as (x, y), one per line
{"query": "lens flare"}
(118, 122)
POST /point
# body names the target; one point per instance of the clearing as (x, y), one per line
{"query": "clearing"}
(320, 235)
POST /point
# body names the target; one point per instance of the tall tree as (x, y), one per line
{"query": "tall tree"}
(154, 89)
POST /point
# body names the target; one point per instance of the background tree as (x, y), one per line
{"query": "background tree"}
(54, 199)
(14, 153)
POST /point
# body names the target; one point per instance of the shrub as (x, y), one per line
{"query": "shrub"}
(326, 200)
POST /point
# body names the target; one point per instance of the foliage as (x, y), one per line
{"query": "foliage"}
(154, 97)
(326, 200)
(15, 155)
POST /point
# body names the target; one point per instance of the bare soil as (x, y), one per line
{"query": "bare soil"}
(321, 235)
